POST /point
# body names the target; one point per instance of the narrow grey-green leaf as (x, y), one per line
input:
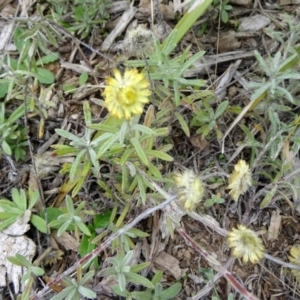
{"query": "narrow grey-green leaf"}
(139, 151)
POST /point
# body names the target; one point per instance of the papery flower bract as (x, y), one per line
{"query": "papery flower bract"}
(245, 244)
(190, 189)
(295, 259)
(126, 95)
(239, 180)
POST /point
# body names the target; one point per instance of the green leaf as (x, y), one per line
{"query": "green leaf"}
(48, 59)
(3, 89)
(171, 292)
(221, 108)
(86, 292)
(83, 78)
(138, 279)
(76, 169)
(86, 246)
(44, 76)
(134, 232)
(124, 158)
(37, 271)
(33, 197)
(8, 222)
(6, 148)
(107, 144)
(19, 260)
(63, 227)
(52, 214)
(64, 293)
(102, 221)
(268, 198)
(159, 154)
(143, 129)
(70, 136)
(142, 187)
(19, 198)
(39, 223)
(186, 22)
(183, 124)
(84, 229)
(139, 267)
(64, 149)
(139, 151)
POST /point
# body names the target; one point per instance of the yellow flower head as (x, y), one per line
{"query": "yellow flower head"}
(239, 180)
(126, 95)
(190, 189)
(245, 244)
(295, 259)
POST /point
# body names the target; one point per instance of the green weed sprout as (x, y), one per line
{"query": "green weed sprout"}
(73, 217)
(8, 128)
(76, 289)
(30, 274)
(16, 209)
(125, 273)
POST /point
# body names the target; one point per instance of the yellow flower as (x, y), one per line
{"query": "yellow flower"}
(245, 244)
(190, 189)
(295, 259)
(126, 95)
(239, 180)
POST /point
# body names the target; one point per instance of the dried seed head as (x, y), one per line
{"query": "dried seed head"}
(240, 180)
(139, 42)
(190, 189)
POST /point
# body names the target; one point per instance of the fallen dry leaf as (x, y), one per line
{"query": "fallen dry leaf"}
(168, 263)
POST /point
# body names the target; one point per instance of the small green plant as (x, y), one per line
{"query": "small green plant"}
(128, 146)
(10, 132)
(16, 209)
(27, 62)
(277, 71)
(73, 217)
(86, 15)
(215, 199)
(223, 7)
(29, 277)
(205, 118)
(86, 244)
(158, 293)
(85, 148)
(19, 144)
(125, 273)
(171, 71)
(75, 289)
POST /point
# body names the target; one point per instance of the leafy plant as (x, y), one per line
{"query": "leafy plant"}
(19, 144)
(14, 210)
(86, 15)
(87, 245)
(75, 289)
(125, 273)
(85, 148)
(157, 293)
(9, 130)
(215, 199)
(205, 118)
(126, 146)
(275, 70)
(30, 274)
(170, 71)
(27, 62)
(223, 7)
(72, 217)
